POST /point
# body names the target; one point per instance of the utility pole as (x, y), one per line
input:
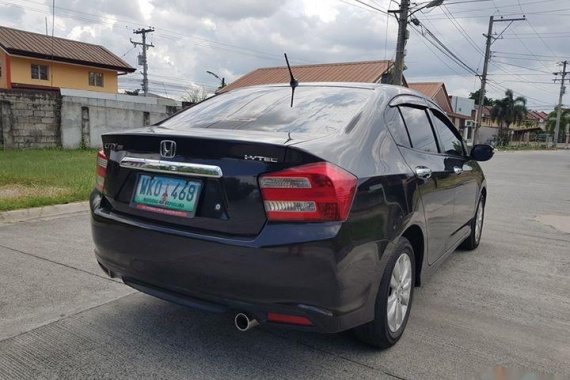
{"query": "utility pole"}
(404, 15)
(490, 40)
(142, 58)
(484, 80)
(397, 78)
(559, 110)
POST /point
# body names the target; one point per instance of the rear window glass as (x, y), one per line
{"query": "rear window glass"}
(396, 126)
(419, 129)
(315, 110)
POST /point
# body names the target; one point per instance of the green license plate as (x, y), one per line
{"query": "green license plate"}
(167, 195)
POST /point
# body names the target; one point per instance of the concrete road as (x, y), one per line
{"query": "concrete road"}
(506, 304)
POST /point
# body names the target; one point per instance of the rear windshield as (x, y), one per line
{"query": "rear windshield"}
(315, 110)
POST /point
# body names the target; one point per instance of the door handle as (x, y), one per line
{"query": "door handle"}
(423, 172)
(457, 170)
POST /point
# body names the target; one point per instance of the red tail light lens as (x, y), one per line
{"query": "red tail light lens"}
(101, 170)
(314, 193)
(289, 319)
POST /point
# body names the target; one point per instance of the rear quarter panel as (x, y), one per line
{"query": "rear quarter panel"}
(387, 201)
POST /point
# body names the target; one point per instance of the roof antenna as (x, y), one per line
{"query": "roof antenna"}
(294, 82)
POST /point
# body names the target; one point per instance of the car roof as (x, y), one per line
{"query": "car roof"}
(371, 86)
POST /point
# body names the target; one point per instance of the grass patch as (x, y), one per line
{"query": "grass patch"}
(32, 178)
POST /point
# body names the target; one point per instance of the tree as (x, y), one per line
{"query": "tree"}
(564, 121)
(475, 96)
(195, 94)
(133, 92)
(508, 111)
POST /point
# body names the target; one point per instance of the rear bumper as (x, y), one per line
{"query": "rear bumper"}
(311, 270)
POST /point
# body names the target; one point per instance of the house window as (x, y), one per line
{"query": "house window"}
(95, 79)
(40, 72)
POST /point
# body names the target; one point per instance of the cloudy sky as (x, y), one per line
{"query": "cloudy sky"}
(233, 37)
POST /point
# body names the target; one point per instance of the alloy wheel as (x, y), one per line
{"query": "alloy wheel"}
(400, 291)
(479, 221)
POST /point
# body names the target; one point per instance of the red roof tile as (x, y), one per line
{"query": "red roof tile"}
(363, 72)
(436, 91)
(429, 89)
(28, 44)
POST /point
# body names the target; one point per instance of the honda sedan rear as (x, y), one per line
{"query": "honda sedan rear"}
(311, 216)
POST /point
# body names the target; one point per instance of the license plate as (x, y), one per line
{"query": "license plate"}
(167, 195)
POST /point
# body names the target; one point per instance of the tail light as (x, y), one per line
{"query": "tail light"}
(101, 170)
(314, 193)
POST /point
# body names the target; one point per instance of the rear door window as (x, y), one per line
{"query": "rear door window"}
(419, 129)
(448, 140)
(397, 127)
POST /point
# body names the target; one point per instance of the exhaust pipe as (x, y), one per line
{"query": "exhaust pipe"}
(244, 322)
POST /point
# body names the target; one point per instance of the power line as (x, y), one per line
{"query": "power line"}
(522, 67)
(86, 16)
(499, 7)
(461, 30)
(440, 45)
(501, 87)
(522, 58)
(519, 76)
(434, 53)
(372, 7)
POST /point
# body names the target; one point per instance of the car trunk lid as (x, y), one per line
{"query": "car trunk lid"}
(224, 164)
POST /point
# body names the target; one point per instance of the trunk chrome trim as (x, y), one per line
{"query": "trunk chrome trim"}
(161, 166)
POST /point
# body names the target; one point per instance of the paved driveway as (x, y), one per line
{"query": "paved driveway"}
(506, 304)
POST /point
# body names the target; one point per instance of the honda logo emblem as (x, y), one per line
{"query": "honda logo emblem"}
(167, 148)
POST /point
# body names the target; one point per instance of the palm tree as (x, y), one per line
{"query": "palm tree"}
(564, 122)
(508, 111)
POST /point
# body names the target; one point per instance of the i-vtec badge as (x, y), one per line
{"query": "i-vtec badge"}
(259, 158)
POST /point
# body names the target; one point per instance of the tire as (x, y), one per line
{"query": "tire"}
(472, 241)
(381, 332)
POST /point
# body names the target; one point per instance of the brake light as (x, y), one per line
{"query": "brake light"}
(289, 319)
(315, 193)
(101, 170)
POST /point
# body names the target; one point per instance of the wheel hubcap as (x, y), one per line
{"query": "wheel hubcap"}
(479, 221)
(400, 290)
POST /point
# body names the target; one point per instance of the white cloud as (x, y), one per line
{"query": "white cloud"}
(324, 10)
(209, 24)
(232, 37)
(146, 8)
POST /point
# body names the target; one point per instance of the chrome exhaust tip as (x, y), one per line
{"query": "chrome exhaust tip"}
(244, 322)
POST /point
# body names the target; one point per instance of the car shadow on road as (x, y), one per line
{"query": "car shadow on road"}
(142, 329)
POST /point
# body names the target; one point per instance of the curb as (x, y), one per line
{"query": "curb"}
(28, 214)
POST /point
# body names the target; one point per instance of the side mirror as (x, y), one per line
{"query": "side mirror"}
(482, 152)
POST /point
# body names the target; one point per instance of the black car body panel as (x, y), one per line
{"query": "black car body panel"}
(230, 257)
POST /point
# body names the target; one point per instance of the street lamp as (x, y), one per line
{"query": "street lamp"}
(431, 4)
(223, 80)
(405, 14)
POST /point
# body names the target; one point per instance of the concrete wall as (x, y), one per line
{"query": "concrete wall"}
(29, 119)
(85, 115)
(486, 134)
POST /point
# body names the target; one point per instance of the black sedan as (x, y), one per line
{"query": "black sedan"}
(321, 215)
